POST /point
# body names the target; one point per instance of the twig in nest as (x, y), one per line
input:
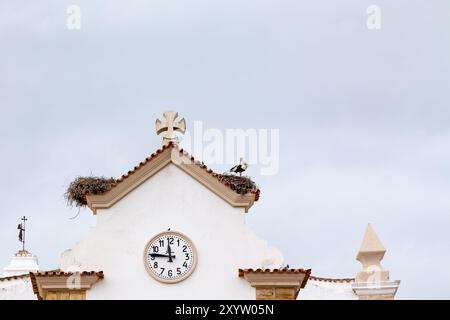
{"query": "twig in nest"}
(241, 185)
(77, 190)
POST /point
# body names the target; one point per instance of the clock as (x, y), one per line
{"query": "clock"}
(170, 257)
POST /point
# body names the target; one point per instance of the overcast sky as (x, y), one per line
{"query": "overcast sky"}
(364, 118)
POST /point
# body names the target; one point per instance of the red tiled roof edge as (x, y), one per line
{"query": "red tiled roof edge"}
(256, 192)
(64, 274)
(333, 280)
(283, 270)
(9, 278)
(307, 272)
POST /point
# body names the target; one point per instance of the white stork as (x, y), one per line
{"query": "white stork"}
(241, 167)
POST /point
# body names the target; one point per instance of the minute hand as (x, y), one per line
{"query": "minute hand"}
(159, 255)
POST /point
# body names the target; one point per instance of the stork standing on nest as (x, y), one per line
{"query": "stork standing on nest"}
(241, 167)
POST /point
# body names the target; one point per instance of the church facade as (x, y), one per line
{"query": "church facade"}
(171, 228)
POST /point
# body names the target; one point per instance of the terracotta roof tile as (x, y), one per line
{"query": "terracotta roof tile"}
(333, 280)
(22, 276)
(273, 271)
(307, 273)
(58, 273)
(285, 270)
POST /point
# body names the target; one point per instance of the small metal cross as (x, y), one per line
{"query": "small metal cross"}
(22, 232)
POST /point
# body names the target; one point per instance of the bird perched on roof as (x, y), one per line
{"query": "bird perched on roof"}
(241, 167)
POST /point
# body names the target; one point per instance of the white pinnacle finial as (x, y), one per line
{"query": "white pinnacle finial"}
(372, 282)
(370, 244)
(170, 126)
(370, 255)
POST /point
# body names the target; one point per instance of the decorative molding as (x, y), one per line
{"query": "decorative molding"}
(63, 285)
(109, 198)
(384, 290)
(169, 155)
(278, 284)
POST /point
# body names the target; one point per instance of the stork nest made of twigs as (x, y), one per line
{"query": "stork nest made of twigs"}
(240, 184)
(77, 190)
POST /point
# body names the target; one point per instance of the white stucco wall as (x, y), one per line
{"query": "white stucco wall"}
(171, 199)
(322, 290)
(17, 289)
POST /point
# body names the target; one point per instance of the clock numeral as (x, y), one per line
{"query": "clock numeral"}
(178, 242)
(155, 249)
(162, 270)
(155, 265)
(178, 271)
(185, 264)
(170, 240)
(187, 256)
(169, 273)
(185, 248)
(161, 243)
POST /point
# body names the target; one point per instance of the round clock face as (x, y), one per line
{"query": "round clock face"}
(170, 257)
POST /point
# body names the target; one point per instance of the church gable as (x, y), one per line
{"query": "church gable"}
(172, 154)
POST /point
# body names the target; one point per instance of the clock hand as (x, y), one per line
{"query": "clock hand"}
(159, 255)
(170, 253)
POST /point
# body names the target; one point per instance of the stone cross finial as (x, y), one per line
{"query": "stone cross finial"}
(170, 126)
